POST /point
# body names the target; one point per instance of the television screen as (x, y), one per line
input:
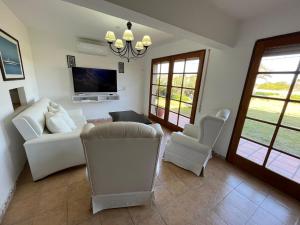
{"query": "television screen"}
(94, 80)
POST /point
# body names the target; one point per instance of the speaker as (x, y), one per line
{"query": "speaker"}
(121, 67)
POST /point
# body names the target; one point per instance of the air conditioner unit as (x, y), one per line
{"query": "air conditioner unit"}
(92, 47)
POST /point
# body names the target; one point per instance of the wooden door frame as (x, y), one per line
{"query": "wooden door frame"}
(261, 172)
(201, 55)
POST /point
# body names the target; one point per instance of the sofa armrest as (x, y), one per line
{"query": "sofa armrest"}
(48, 138)
(190, 142)
(191, 130)
(77, 116)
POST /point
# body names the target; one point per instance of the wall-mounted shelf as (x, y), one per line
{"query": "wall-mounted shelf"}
(90, 98)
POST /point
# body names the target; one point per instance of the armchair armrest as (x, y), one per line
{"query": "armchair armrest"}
(191, 130)
(190, 142)
(159, 131)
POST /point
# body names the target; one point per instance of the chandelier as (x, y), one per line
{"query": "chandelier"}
(127, 51)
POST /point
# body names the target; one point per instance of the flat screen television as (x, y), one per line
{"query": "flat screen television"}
(94, 80)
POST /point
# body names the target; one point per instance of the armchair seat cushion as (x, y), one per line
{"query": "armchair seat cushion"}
(190, 142)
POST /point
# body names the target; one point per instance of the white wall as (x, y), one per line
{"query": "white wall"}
(12, 155)
(55, 80)
(227, 68)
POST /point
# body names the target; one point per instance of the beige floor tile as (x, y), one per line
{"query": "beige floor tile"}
(261, 216)
(230, 214)
(56, 198)
(52, 217)
(77, 174)
(240, 202)
(79, 211)
(79, 190)
(118, 216)
(20, 211)
(280, 211)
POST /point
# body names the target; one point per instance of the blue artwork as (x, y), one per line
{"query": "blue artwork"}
(10, 57)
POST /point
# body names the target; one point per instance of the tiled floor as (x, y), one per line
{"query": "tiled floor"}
(278, 162)
(224, 196)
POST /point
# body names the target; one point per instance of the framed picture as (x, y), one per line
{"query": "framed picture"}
(11, 65)
(71, 61)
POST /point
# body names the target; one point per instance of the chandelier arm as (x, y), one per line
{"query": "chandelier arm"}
(114, 51)
(124, 51)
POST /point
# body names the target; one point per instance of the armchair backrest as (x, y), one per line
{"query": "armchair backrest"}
(211, 126)
(121, 156)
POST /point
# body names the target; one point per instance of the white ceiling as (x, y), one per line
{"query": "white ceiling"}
(62, 17)
(247, 9)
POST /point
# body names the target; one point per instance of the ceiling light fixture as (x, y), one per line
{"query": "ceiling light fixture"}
(127, 51)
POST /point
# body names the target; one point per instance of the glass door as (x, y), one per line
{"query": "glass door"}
(266, 139)
(175, 84)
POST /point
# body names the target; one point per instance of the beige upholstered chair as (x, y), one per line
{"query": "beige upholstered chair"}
(192, 148)
(121, 162)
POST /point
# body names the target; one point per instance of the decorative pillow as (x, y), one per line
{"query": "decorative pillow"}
(56, 123)
(66, 116)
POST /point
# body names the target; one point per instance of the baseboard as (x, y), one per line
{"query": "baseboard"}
(7, 202)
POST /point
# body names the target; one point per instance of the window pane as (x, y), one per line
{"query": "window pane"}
(284, 165)
(154, 100)
(163, 79)
(288, 141)
(162, 102)
(164, 68)
(189, 80)
(178, 66)
(273, 85)
(161, 113)
(174, 106)
(191, 66)
(177, 80)
(265, 109)
(153, 110)
(155, 79)
(173, 118)
(175, 93)
(156, 68)
(296, 91)
(187, 95)
(292, 115)
(185, 109)
(279, 63)
(257, 131)
(154, 89)
(162, 91)
(182, 121)
(252, 151)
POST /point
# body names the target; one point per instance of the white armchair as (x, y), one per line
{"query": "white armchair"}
(121, 162)
(192, 148)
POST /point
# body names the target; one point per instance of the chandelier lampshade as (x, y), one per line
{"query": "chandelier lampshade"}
(127, 50)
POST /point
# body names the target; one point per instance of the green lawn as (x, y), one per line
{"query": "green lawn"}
(269, 110)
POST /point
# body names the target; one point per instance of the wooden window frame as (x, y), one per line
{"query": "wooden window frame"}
(260, 171)
(171, 59)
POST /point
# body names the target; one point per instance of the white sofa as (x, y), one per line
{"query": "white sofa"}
(121, 162)
(192, 148)
(48, 153)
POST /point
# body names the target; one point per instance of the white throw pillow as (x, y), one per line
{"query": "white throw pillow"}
(66, 115)
(56, 123)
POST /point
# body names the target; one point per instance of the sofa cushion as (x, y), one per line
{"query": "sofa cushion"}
(56, 123)
(65, 115)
